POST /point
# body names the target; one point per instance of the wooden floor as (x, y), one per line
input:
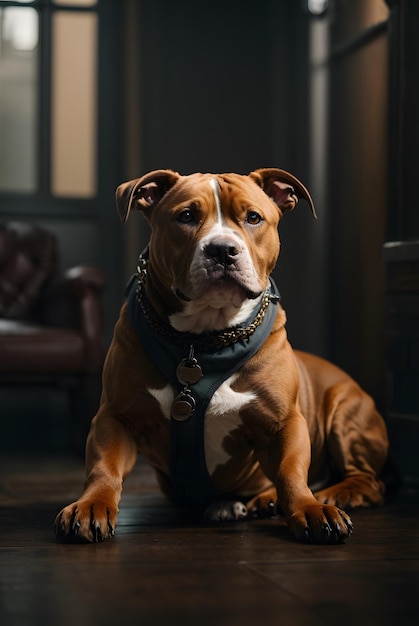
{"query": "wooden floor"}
(163, 568)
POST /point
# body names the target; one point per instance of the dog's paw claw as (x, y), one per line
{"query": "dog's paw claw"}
(349, 526)
(97, 534)
(268, 510)
(327, 532)
(76, 529)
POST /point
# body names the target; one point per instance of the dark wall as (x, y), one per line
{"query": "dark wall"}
(211, 80)
(357, 189)
(403, 219)
(401, 251)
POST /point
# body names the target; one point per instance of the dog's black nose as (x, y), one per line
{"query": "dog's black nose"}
(221, 252)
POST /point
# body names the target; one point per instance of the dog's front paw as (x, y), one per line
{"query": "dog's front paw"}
(225, 511)
(320, 523)
(85, 521)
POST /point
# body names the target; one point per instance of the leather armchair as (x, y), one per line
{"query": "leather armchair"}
(51, 326)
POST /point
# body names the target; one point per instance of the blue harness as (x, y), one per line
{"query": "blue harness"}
(189, 477)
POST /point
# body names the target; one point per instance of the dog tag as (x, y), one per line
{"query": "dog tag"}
(189, 372)
(183, 406)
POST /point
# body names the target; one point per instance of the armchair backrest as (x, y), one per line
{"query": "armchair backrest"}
(28, 255)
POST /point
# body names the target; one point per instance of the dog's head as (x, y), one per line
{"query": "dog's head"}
(214, 239)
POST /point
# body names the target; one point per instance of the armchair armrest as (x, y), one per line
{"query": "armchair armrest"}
(74, 301)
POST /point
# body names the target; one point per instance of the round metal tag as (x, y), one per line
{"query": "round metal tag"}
(188, 372)
(182, 407)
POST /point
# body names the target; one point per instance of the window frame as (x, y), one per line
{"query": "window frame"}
(41, 202)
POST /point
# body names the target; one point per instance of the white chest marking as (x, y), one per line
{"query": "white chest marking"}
(221, 418)
(164, 397)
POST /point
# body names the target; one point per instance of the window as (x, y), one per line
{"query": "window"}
(48, 97)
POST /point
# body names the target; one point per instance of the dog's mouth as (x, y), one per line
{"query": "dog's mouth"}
(220, 288)
(215, 298)
(234, 282)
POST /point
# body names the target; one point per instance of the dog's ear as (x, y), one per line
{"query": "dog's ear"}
(144, 193)
(284, 188)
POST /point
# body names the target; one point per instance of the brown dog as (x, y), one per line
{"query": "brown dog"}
(201, 380)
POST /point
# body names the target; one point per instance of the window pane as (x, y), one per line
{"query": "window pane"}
(74, 62)
(18, 98)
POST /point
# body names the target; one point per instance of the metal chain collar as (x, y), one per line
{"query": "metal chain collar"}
(213, 340)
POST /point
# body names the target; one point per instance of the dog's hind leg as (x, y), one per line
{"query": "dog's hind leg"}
(357, 443)
(355, 491)
(265, 504)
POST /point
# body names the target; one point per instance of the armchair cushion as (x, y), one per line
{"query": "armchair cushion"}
(50, 323)
(28, 349)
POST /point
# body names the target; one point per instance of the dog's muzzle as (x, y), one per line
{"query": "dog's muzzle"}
(224, 260)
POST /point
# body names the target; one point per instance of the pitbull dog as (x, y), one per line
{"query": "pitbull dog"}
(201, 380)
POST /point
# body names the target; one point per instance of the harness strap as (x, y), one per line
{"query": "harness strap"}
(189, 477)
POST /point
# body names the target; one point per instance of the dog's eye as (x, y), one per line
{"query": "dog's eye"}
(186, 217)
(253, 218)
